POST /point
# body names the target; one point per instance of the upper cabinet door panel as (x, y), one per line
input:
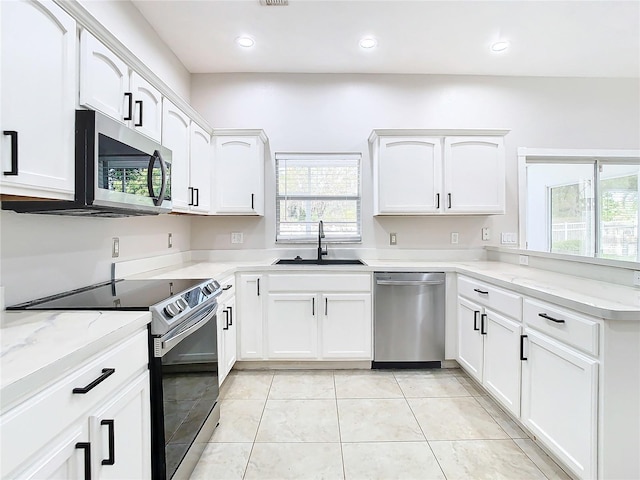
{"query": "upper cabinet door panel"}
(104, 80)
(147, 108)
(201, 153)
(474, 174)
(38, 57)
(409, 175)
(175, 136)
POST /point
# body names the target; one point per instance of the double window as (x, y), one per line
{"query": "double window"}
(318, 186)
(583, 206)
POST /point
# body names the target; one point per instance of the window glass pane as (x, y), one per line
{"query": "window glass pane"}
(618, 193)
(560, 208)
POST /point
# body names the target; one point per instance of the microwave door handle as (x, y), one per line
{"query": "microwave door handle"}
(163, 168)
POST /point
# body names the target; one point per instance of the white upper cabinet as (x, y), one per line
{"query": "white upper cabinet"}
(108, 85)
(200, 175)
(176, 137)
(402, 193)
(474, 174)
(239, 172)
(434, 172)
(38, 55)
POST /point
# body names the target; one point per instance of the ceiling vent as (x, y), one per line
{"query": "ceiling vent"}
(274, 3)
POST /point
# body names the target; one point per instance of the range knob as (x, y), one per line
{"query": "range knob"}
(171, 310)
(181, 304)
(209, 288)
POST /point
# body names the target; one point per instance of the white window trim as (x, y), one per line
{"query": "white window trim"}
(544, 155)
(309, 155)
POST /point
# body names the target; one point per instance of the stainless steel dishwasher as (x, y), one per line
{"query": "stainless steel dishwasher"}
(408, 320)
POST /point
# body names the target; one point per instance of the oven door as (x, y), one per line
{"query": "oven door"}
(184, 400)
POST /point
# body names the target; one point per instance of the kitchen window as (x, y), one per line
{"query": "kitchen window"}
(580, 205)
(318, 186)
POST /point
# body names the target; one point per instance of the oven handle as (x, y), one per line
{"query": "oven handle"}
(166, 345)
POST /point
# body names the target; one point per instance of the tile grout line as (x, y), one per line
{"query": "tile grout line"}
(420, 427)
(264, 407)
(544, 453)
(335, 392)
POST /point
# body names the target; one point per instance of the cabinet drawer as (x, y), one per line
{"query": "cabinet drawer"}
(228, 288)
(564, 325)
(495, 298)
(31, 425)
(320, 282)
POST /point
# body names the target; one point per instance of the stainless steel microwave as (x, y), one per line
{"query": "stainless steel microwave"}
(118, 172)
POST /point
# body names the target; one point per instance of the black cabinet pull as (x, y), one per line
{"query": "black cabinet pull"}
(547, 317)
(449, 199)
(129, 96)
(522, 337)
(313, 306)
(197, 202)
(139, 124)
(226, 319)
(483, 317)
(258, 283)
(227, 287)
(480, 291)
(190, 196)
(326, 306)
(106, 372)
(252, 195)
(14, 152)
(475, 319)
(230, 315)
(111, 460)
(86, 446)
(437, 200)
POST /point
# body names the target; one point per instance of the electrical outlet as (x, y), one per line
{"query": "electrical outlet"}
(636, 279)
(524, 259)
(393, 239)
(454, 237)
(170, 241)
(237, 237)
(115, 247)
(486, 234)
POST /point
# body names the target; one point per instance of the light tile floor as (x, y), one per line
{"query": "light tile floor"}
(366, 425)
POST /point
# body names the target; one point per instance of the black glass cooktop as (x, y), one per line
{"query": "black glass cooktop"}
(116, 295)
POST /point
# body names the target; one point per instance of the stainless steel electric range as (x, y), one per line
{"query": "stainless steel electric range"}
(183, 354)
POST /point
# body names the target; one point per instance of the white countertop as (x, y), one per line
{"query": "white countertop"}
(37, 347)
(601, 299)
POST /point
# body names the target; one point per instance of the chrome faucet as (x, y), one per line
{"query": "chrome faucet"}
(321, 251)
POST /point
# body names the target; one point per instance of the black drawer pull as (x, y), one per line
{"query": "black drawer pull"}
(14, 152)
(139, 124)
(226, 319)
(86, 446)
(547, 317)
(129, 115)
(258, 286)
(437, 200)
(522, 357)
(252, 195)
(475, 319)
(449, 197)
(480, 291)
(230, 315)
(313, 306)
(227, 287)
(483, 318)
(190, 196)
(112, 442)
(106, 372)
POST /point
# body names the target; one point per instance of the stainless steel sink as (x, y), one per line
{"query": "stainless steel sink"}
(328, 261)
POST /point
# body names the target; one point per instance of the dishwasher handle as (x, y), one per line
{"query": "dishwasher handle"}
(410, 282)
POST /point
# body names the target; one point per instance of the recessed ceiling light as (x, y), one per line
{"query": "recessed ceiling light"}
(500, 46)
(245, 41)
(368, 42)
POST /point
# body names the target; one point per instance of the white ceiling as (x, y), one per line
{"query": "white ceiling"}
(548, 38)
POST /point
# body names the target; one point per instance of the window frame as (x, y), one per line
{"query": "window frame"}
(331, 157)
(562, 156)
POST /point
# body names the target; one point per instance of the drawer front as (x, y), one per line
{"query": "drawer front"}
(320, 282)
(228, 288)
(28, 427)
(569, 327)
(490, 296)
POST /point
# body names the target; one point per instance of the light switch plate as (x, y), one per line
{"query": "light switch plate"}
(237, 237)
(393, 239)
(508, 238)
(115, 247)
(524, 259)
(454, 237)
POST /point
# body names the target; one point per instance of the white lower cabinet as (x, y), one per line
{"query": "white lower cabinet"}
(292, 326)
(227, 329)
(250, 294)
(470, 342)
(346, 326)
(559, 401)
(93, 422)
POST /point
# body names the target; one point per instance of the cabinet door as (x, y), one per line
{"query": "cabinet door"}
(147, 107)
(104, 80)
(120, 433)
(239, 175)
(502, 365)
(292, 326)
(408, 175)
(251, 290)
(346, 325)
(176, 137)
(470, 340)
(474, 175)
(230, 342)
(201, 158)
(38, 55)
(559, 401)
